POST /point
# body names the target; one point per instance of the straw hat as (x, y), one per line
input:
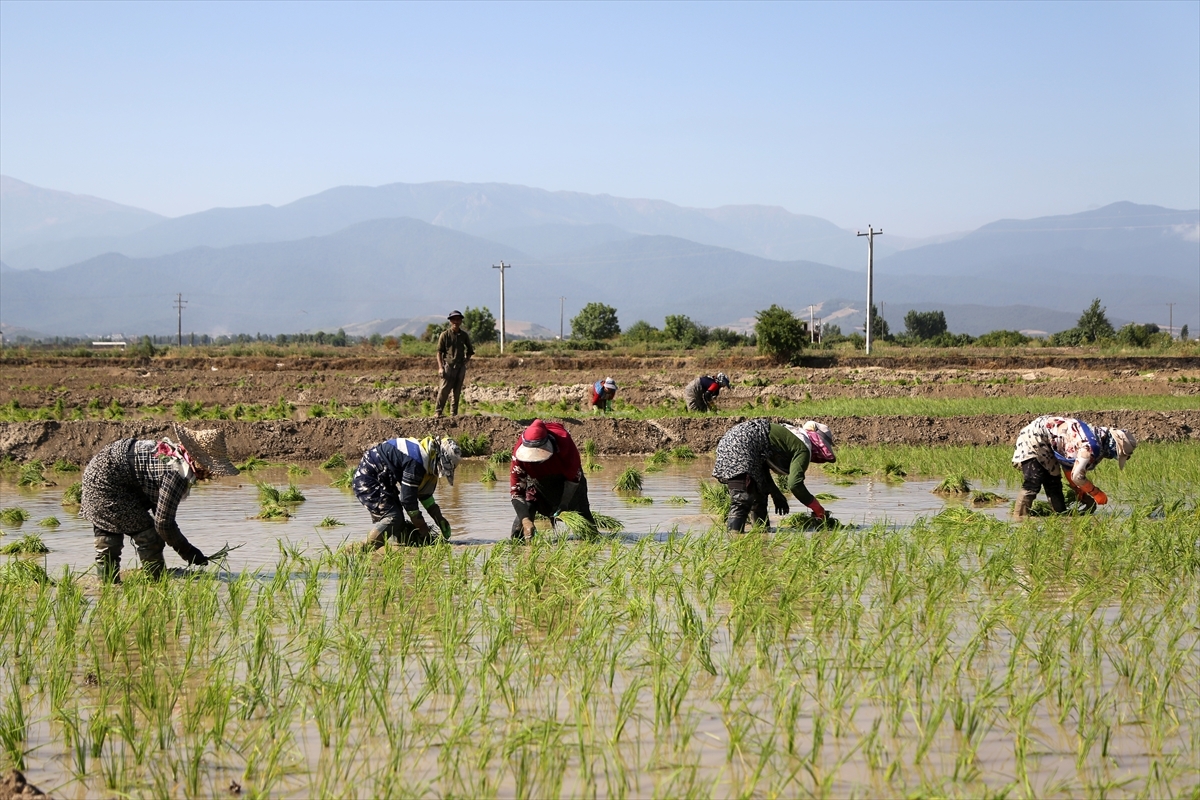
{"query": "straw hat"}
(208, 448)
(536, 444)
(1125, 444)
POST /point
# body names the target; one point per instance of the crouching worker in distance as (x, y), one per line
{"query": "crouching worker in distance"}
(395, 478)
(546, 477)
(751, 450)
(701, 394)
(133, 488)
(1050, 443)
(603, 393)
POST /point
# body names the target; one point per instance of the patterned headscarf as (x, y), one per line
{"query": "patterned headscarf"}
(175, 454)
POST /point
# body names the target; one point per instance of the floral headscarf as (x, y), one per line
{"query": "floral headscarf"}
(175, 454)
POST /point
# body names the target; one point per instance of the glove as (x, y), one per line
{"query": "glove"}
(1100, 497)
(527, 528)
(781, 505)
(192, 555)
(443, 524)
(419, 522)
(1091, 490)
(818, 511)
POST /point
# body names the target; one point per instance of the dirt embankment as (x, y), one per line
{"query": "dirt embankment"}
(317, 439)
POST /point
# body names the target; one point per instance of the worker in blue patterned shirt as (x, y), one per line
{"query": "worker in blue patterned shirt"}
(395, 478)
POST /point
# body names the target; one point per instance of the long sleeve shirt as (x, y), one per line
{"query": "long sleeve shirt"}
(127, 489)
(396, 463)
(455, 349)
(523, 476)
(789, 454)
(1059, 442)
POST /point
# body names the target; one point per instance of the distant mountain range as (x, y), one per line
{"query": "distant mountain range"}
(326, 262)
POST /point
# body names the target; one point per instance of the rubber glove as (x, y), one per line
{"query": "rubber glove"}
(817, 509)
(781, 505)
(527, 529)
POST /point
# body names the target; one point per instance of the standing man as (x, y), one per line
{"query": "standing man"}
(453, 353)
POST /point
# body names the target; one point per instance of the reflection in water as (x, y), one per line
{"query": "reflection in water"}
(221, 512)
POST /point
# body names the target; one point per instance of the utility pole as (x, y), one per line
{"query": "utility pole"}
(180, 304)
(870, 234)
(502, 266)
(1171, 319)
(561, 300)
(812, 337)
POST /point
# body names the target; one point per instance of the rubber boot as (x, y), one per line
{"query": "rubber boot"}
(378, 535)
(1024, 503)
(108, 556)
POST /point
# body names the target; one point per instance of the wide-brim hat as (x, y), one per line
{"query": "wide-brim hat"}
(454, 313)
(1126, 442)
(536, 444)
(208, 448)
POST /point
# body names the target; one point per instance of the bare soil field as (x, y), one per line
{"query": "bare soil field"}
(532, 379)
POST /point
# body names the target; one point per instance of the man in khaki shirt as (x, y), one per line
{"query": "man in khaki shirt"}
(453, 352)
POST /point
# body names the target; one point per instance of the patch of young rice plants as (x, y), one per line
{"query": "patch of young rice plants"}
(629, 481)
(252, 463)
(33, 475)
(335, 462)
(73, 495)
(638, 500)
(982, 499)
(330, 522)
(13, 515)
(683, 453)
(30, 543)
(296, 471)
(345, 479)
(472, 446)
(62, 465)
(49, 522)
(489, 474)
(676, 500)
(959, 656)
(953, 485)
(714, 498)
(500, 458)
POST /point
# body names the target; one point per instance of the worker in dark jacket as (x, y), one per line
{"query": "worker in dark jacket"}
(395, 479)
(453, 352)
(700, 393)
(134, 487)
(546, 477)
(603, 393)
(750, 451)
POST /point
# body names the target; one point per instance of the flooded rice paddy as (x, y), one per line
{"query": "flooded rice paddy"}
(917, 653)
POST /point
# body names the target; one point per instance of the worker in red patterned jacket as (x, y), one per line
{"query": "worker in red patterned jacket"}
(546, 477)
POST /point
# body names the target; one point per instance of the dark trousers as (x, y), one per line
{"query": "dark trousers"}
(549, 496)
(746, 500)
(395, 524)
(452, 381)
(1037, 477)
(149, 546)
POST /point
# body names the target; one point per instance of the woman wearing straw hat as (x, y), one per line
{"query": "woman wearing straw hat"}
(1049, 443)
(133, 488)
(546, 477)
(395, 478)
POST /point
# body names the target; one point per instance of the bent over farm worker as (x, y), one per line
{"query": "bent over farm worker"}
(751, 450)
(700, 393)
(1050, 443)
(133, 488)
(546, 477)
(603, 393)
(454, 350)
(395, 478)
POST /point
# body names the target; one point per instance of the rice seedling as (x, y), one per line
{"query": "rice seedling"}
(953, 485)
(32, 474)
(982, 499)
(252, 463)
(268, 494)
(892, 471)
(683, 453)
(296, 471)
(500, 458)
(73, 496)
(660, 458)
(472, 446)
(344, 480)
(714, 498)
(49, 522)
(272, 512)
(335, 462)
(489, 474)
(629, 481)
(13, 515)
(578, 525)
(62, 465)
(27, 544)
(330, 522)
(291, 494)
(590, 450)
(676, 500)
(826, 497)
(638, 500)
(845, 470)
(21, 571)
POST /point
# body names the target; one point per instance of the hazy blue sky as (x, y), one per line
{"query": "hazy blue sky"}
(921, 118)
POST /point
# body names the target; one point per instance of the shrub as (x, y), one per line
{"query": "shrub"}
(1134, 335)
(432, 331)
(780, 334)
(595, 321)
(526, 346)
(680, 328)
(1002, 339)
(925, 324)
(879, 326)
(642, 331)
(724, 337)
(1093, 323)
(480, 324)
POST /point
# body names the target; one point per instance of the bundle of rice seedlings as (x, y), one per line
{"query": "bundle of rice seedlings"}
(590, 449)
(826, 497)
(334, 462)
(592, 466)
(683, 453)
(21, 571)
(845, 470)
(32, 474)
(714, 498)
(291, 494)
(13, 515)
(272, 511)
(252, 463)
(638, 500)
(73, 496)
(267, 494)
(981, 499)
(578, 525)
(953, 485)
(500, 458)
(608, 524)
(802, 522)
(344, 480)
(471, 446)
(489, 474)
(224, 551)
(660, 458)
(330, 522)
(31, 543)
(296, 471)
(959, 515)
(677, 501)
(49, 522)
(62, 465)
(629, 481)
(892, 471)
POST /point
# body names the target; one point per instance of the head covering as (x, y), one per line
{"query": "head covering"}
(208, 449)
(609, 383)
(454, 313)
(536, 443)
(447, 458)
(821, 439)
(1123, 444)
(722, 379)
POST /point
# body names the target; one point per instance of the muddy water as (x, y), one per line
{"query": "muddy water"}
(222, 511)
